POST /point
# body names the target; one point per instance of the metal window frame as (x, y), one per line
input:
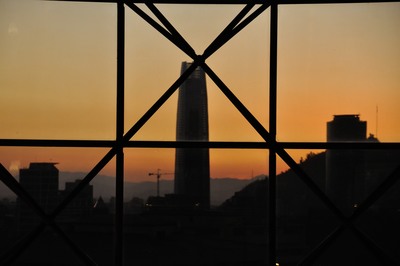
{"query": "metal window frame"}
(123, 141)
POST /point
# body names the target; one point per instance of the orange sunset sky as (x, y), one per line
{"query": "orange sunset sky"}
(58, 79)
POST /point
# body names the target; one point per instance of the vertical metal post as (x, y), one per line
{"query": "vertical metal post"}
(272, 130)
(119, 191)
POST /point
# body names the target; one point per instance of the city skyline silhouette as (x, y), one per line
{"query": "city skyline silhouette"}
(95, 86)
(252, 199)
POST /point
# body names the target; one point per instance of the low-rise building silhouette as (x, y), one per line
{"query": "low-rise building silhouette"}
(40, 181)
(81, 205)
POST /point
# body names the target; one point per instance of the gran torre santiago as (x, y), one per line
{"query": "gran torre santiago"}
(192, 165)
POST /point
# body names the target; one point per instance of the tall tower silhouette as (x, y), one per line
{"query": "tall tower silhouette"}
(192, 165)
(345, 169)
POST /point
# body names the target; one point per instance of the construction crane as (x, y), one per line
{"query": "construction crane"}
(158, 174)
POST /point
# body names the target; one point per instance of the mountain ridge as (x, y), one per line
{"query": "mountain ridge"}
(103, 185)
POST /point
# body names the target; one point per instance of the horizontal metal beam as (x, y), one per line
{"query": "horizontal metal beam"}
(206, 2)
(307, 2)
(196, 144)
(233, 2)
(341, 145)
(57, 143)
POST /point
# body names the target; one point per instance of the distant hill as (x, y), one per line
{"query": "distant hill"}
(292, 194)
(103, 185)
(295, 198)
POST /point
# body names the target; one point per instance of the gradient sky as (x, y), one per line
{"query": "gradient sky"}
(58, 78)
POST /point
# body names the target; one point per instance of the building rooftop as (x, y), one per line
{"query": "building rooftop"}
(42, 165)
(346, 116)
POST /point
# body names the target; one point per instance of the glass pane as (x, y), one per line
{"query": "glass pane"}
(303, 221)
(154, 63)
(160, 227)
(58, 70)
(345, 61)
(88, 220)
(48, 175)
(348, 177)
(380, 221)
